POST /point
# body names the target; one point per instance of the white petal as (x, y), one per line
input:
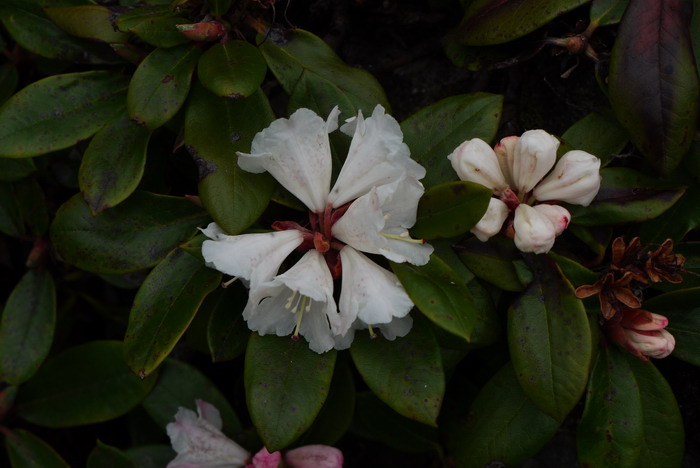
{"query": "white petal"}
(254, 257)
(535, 154)
(575, 179)
(533, 231)
(297, 153)
(397, 328)
(369, 292)
(505, 152)
(557, 215)
(491, 223)
(475, 161)
(377, 156)
(209, 413)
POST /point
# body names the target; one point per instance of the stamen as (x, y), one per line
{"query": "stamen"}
(402, 238)
(304, 308)
(288, 305)
(226, 284)
(372, 334)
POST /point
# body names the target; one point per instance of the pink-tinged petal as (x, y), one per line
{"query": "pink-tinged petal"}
(575, 179)
(657, 344)
(533, 231)
(314, 456)
(475, 161)
(535, 154)
(491, 223)
(377, 156)
(265, 459)
(557, 215)
(297, 153)
(209, 413)
(505, 152)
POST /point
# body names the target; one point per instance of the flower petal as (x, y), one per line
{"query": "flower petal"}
(377, 156)
(314, 456)
(557, 215)
(491, 223)
(209, 413)
(475, 161)
(265, 459)
(575, 179)
(533, 231)
(505, 152)
(297, 153)
(535, 154)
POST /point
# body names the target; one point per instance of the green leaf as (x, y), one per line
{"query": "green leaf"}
(160, 85)
(10, 216)
(59, 111)
(503, 424)
(235, 69)
(611, 431)
(215, 129)
(32, 206)
(28, 451)
(164, 306)
(492, 261)
(675, 222)
(626, 196)
(597, 134)
(435, 131)
(151, 456)
(406, 373)
(15, 169)
(154, 25)
(576, 273)
(227, 332)
(286, 385)
(653, 81)
(9, 78)
(106, 456)
(489, 22)
(113, 164)
(440, 295)
(87, 384)
(298, 59)
(86, 21)
(450, 209)
(26, 330)
(180, 384)
(607, 12)
(136, 234)
(550, 341)
(682, 308)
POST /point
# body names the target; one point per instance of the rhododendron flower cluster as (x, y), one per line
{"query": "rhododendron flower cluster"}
(367, 211)
(526, 188)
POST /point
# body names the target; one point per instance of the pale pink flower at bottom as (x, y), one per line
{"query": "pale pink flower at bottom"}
(265, 459)
(642, 333)
(309, 456)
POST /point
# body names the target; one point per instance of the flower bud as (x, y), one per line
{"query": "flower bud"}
(490, 224)
(205, 31)
(475, 161)
(557, 215)
(533, 230)
(314, 456)
(641, 333)
(535, 154)
(575, 179)
(505, 151)
(655, 343)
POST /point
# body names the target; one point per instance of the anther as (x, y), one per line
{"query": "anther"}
(226, 284)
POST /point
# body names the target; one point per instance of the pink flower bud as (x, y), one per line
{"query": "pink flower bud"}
(575, 179)
(265, 459)
(533, 230)
(314, 456)
(642, 333)
(557, 215)
(205, 31)
(475, 161)
(490, 224)
(654, 343)
(535, 154)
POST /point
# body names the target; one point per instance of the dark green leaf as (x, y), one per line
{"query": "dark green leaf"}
(106, 456)
(682, 308)
(550, 341)
(406, 373)
(234, 69)
(87, 21)
(8, 81)
(576, 273)
(87, 384)
(113, 164)
(160, 85)
(32, 206)
(134, 235)
(676, 222)
(15, 169)
(26, 330)
(164, 307)
(653, 81)
(151, 456)
(10, 216)
(227, 332)
(597, 134)
(155, 25)
(435, 131)
(215, 128)
(58, 111)
(28, 451)
(607, 12)
(503, 425)
(492, 261)
(450, 209)
(180, 384)
(488, 22)
(286, 385)
(626, 196)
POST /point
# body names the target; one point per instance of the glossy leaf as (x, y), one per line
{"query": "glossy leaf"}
(113, 164)
(163, 308)
(15, 169)
(626, 196)
(597, 134)
(611, 431)
(435, 131)
(607, 12)
(215, 128)
(440, 295)
(299, 59)
(154, 25)
(87, 21)
(227, 332)
(408, 377)
(28, 451)
(492, 261)
(503, 425)
(58, 111)
(160, 85)
(286, 385)
(180, 384)
(450, 209)
(653, 82)
(26, 330)
(675, 222)
(234, 69)
(86, 384)
(134, 235)
(106, 456)
(682, 308)
(550, 341)
(574, 272)
(489, 22)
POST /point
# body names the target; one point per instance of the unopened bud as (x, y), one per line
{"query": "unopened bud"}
(490, 224)
(208, 31)
(475, 161)
(533, 230)
(575, 179)
(535, 154)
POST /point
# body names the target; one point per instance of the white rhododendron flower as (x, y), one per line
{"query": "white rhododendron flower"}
(369, 209)
(519, 171)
